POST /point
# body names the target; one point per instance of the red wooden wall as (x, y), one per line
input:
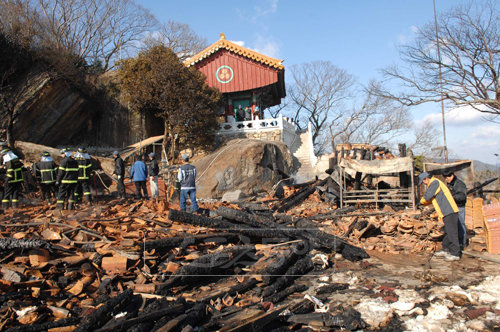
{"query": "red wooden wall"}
(247, 74)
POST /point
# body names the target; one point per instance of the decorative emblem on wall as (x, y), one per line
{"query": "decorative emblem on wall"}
(224, 74)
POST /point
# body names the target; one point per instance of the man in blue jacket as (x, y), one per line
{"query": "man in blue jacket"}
(139, 174)
(187, 179)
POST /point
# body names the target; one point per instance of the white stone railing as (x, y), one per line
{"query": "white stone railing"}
(233, 127)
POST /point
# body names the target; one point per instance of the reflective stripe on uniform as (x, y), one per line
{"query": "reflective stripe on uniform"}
(14, 175)
(69, 181)
(84, 169)
(68, 169)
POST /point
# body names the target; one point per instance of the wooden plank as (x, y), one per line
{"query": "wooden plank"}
(257, 323)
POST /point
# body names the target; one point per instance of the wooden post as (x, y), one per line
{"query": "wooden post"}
(403, 176)
(412, 184)
(341, 187)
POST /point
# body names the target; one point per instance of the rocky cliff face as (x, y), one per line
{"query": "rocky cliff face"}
(251, 166)
(57, 114)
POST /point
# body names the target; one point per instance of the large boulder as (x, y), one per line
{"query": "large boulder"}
(243, 164)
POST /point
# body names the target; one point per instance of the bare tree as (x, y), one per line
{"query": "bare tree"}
(469, 44)
(377, 121)
(97, 31)
(18, 22)
(179, 37)
(283, 107)
(317, 94)
(425, 137)
(18, 82)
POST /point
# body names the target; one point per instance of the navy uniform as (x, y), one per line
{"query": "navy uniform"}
(84, 170)
(120, 173)
(14, 178)
(67, 180)
(45, 173)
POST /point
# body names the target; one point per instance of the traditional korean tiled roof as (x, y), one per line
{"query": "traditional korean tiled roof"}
(223, 43)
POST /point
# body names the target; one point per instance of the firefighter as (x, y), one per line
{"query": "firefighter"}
(120, 173)
(45, 173)
(84, 170)
(13, 178)
(67, 179)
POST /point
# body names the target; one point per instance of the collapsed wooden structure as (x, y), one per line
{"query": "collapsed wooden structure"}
(396, 167)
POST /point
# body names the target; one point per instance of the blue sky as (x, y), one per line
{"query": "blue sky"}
(358, 36)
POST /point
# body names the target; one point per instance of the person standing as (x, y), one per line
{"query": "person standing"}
(439, 195)
(139, 174)
(153, 171)
(458, 190)
(187, 180)
(120, 174)
(248, 114)
(45, 174)
(13, 178)
(256, 113)
(84, 169)
(240, 114)
(67, 180)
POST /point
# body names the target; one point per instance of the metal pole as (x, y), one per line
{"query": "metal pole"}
(440, 83)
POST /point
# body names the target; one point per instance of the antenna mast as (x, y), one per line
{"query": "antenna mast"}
(440, 83)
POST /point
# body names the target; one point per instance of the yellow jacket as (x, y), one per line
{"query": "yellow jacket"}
(440, 196)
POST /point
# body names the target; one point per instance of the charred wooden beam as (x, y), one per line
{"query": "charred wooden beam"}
(216, 263)
(245, 218)
(8, 244)
(239, 288)
(45, 326)
(252, 206)
(255, 323)
(280, 296)
(297, 197)
(278, 265)
(105, 312)
(184, 241)
(174, 308)
(197, 220)
(328, 289)
(350, 320)
(352, 226)
(329, 241)
(283, 218)
(301, 267)
(301, 307)
(304, 229)
(195, 315)
(14, 295)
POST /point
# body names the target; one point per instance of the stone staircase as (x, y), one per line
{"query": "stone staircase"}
(300, 150)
